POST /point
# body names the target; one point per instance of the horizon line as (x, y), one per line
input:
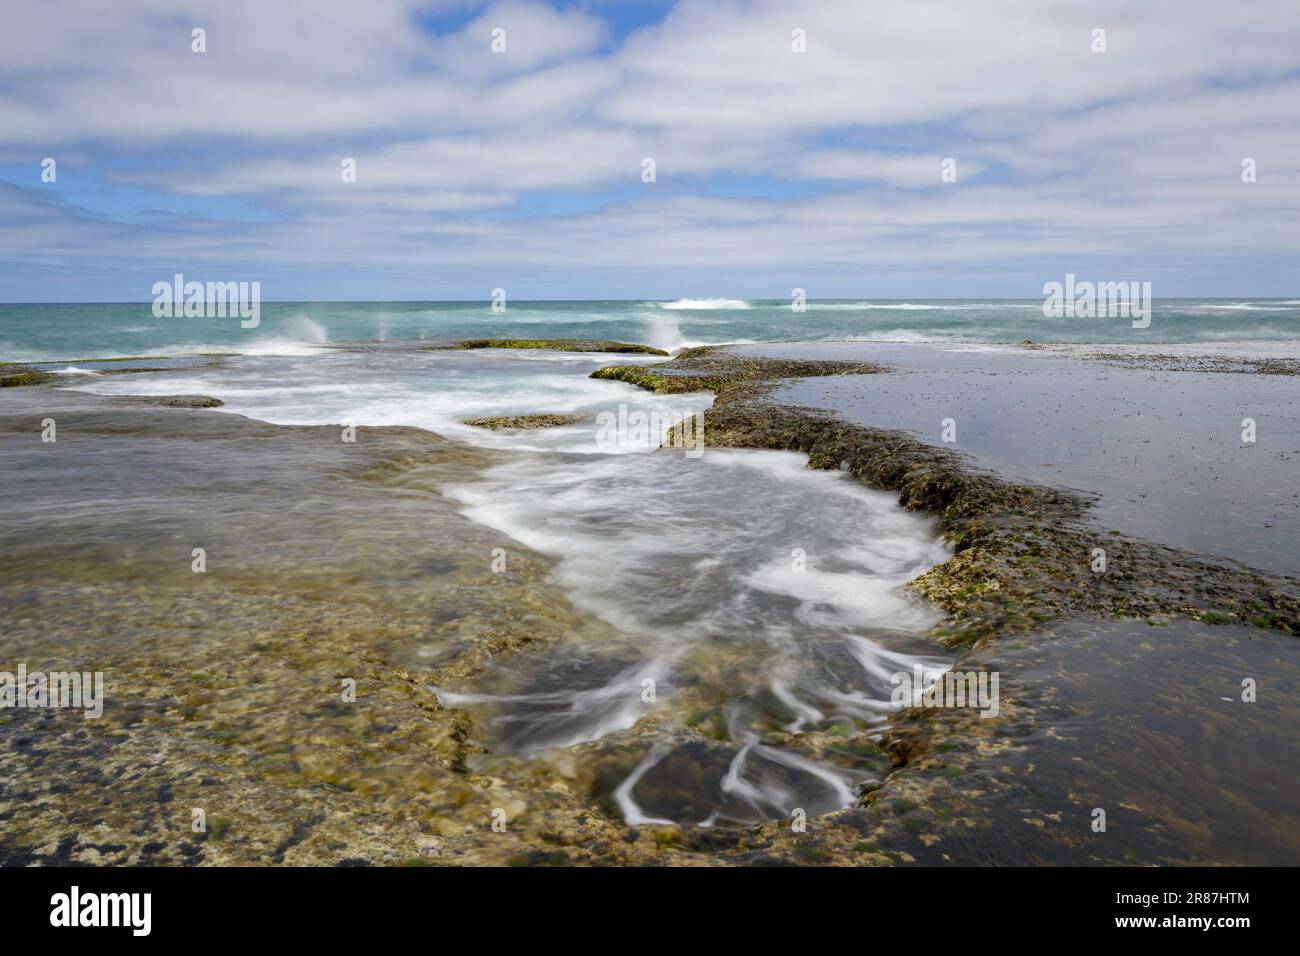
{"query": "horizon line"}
(488, 300)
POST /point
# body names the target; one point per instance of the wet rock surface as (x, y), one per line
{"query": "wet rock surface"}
(171, 401)
(561, 345)
(21, 378)
(553, 345)
(1186, 361)
(728, 375)
(552, 420)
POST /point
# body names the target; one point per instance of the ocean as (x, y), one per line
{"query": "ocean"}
(70, 331)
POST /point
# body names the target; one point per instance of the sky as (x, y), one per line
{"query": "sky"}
(795, 145)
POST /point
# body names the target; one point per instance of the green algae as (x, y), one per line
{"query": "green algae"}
(1165, 362)
(560, 345)
(705, 369)
(659, 383)
(169, 401)
(22, 379)
(550, 420)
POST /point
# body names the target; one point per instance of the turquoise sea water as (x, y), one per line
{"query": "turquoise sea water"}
(73, 331)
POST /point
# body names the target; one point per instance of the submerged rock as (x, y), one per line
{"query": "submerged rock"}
(560, 345)
(1143, 358)
(707, 369)
(553, 420)
(172, 401)
(26, 377)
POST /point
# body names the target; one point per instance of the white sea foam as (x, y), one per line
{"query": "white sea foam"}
(893, 335)
(298, 335)
(771, 797)
(272, 345)
(1241, 306)
(751, 545)
(703, 304)
(929, 306)
(580, 513)
(432, 390)
(905, 307)
(1245, 349)
(843, 599)
(633, 815)
(556, 719)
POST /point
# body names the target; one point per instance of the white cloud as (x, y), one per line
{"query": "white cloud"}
(1060, 151)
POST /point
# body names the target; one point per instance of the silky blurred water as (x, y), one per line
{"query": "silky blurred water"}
(759, 596)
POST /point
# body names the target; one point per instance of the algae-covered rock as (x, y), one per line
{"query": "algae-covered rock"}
(28, 377)
(172, 401)
(730, 377)
(561, 345)
(496, 422)
(1023, 551)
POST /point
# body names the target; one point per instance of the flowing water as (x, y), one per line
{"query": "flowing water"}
(759, 600)
(756, 601)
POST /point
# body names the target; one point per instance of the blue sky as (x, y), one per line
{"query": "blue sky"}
(522, 168)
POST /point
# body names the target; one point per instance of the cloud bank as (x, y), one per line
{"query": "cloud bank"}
(522, 168)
